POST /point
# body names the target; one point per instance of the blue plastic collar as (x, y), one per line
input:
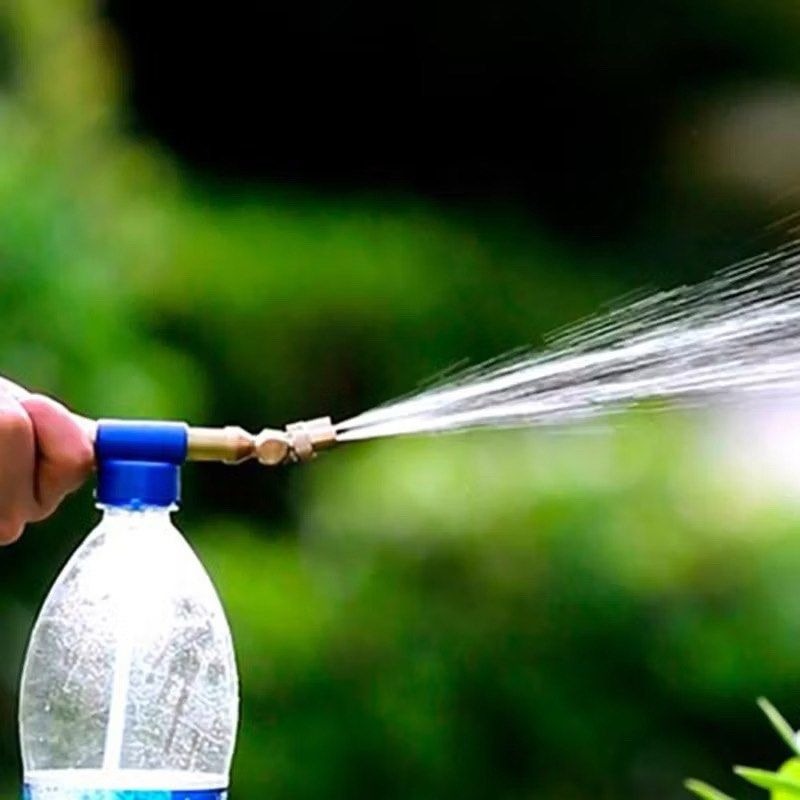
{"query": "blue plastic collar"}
(138, 463)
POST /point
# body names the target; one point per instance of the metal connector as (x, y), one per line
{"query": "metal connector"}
(273, 447)
(300, 442)
(230, 444)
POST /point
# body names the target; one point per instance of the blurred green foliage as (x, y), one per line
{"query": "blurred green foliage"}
(504, 615)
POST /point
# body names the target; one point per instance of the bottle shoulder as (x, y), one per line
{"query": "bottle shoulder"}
(138, 560)
(139, 541)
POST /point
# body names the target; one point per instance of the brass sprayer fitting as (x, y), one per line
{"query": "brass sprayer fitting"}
(300, 442)
(230, 444)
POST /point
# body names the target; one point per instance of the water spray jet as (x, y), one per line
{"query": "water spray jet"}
(734, 336)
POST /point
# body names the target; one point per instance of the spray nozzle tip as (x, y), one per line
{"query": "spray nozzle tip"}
(299, 442)
(307, 438)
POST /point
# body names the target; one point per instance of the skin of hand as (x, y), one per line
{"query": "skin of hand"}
(46, 452)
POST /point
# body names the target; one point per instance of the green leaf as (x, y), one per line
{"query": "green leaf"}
(784, 729)
(769, 780)
(704, 791)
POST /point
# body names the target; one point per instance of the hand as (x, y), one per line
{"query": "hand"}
(46, 452)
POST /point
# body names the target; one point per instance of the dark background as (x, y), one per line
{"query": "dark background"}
(560, 109)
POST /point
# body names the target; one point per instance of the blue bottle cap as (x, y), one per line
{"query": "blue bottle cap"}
(139, 463)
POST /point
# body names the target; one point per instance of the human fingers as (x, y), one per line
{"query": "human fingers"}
(17, 460)
(64, 451)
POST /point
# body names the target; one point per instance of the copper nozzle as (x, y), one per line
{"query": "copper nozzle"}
(272, 447)
(230, 444)
(299, 443)
(308, 438)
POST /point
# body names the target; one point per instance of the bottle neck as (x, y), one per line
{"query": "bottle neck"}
(128, 511)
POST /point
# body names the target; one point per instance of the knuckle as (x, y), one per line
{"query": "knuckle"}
(14, 422)
(84, 455)
(39, 403)
(79, 460)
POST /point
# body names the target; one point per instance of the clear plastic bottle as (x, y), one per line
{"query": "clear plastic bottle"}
(129, 688)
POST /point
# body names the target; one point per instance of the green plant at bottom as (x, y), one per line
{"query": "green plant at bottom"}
(782, 785)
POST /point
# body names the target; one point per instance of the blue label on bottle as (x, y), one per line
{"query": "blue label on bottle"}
(71, 793)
